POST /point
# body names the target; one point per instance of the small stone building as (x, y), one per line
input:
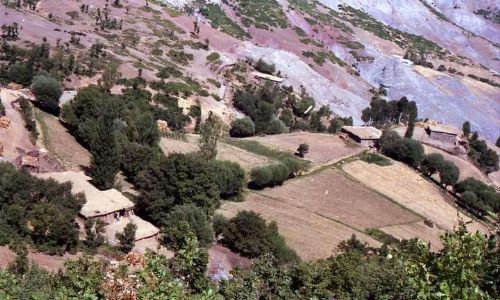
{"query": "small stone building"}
(367, 136)
(442, 133)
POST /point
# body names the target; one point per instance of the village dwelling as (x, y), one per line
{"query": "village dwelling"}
(367, 136)
(443, 133)
(269, 77)
(109, 206)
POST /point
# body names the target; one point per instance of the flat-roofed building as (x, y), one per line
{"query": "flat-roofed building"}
(365, 135)
(443, 133)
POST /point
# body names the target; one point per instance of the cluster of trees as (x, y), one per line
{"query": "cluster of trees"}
(382, 113)
(39, 212)
(274, 174)
(482, 155)
(478, 197)
(272, 110)
(465, 268)
(251, 236)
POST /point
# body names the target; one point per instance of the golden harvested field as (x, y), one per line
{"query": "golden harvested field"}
(311, 235)
(411, 190)
(246, 159)
(323, 148)
(334, 196)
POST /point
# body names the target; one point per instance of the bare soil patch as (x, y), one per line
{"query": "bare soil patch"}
(246, 159)
(311, 235)
(46, 261)
(60, 143)
(221, 261)
(410, 189)
(323, 148)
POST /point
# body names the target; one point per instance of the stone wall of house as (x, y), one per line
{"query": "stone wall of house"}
(443, 137)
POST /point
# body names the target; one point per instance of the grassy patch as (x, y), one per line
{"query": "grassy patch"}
(381, 236)
(260, 13)
(219, 20)
(259, 149)
(374, 158)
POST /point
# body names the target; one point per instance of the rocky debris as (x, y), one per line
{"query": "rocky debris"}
(4, 122)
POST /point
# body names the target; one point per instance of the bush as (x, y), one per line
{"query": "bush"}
(264, 67)
(269, 176)
(47, 91)
(374, 158)
(243, 127)
(197, 222)
(249, 234)
(20, 73)
(229, 177)
(487, 197)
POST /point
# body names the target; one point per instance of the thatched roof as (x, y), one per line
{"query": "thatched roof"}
(99, 202)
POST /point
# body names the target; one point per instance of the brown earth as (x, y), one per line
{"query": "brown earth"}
(246, 159)
(416, 230)
(332, 195)
(221, 259)
(323, 148)
(46, 261)
(311, 235)
(60, 143)
(411, 190)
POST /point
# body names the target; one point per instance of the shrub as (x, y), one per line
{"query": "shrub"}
(219, 223)
(269, 176)
(47, 91)
(374, 158)
(243, 127)
(212, 57)
(301, 106)
(264, 67)
(302, 150)
(249, 234)
(197, 222)
(20, 73)
(229, 177)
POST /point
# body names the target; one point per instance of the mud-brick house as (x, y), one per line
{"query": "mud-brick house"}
(367, 136)
(442, 133)
(110, 206)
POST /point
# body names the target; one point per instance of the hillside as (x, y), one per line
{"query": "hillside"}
(249, 149)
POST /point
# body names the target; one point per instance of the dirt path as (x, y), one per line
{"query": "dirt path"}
(16, 135)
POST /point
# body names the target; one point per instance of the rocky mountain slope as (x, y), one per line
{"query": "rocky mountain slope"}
(442, 54)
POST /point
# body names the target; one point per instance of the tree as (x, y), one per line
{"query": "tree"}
(302, 150)
(230, 178)
(127, 238)
(210, 131)
(177, 179)
(95, 233)
(109, 77)
(243, 127)
(249, 234)
(47, 91)
(406, 150)
(196, 220)
(466, 129)
(431, 164)
(449, 173)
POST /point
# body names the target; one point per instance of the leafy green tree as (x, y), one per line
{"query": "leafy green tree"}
(177, 179)
(47, 91)
(230, 178)
(127, 238)
(431, 164)
(466, 129)
(197, 222)
(301, 106)
(250, 235)
(335, 126)
(406, 150)
(210, 132)
(243, 127)
(449, 173)
(94, 231)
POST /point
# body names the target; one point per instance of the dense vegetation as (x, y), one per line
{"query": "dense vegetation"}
(485, 158)
(39, 212)
(251, 236)
(465, 268)
(219, 20)
(382, 113)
